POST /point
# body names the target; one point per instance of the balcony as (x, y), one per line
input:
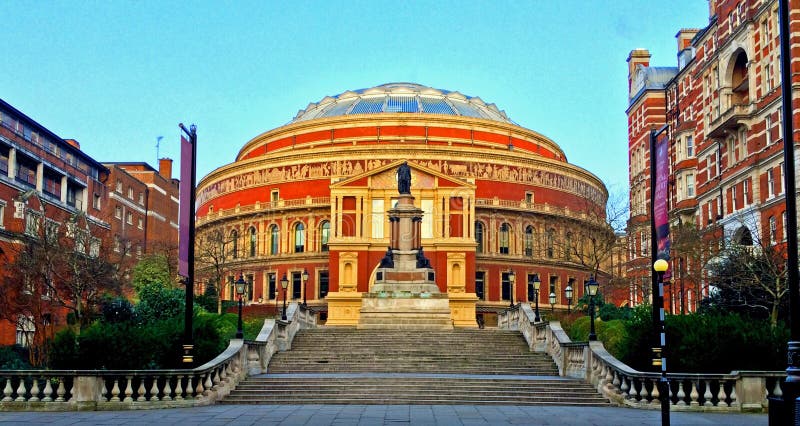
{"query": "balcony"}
(729, 120)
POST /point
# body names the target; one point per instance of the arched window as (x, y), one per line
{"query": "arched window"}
(325, 232)
(743, 237)
(252, 241)
(234, 244)
(551, 234)
(274, 239)
(479, 237)
(299, 238)
(530, 236)
(505, 230)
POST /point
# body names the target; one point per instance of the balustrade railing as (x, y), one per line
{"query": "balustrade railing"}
(65, 390)
(622, 385)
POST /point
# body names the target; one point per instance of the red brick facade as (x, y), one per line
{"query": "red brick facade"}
(722, 105)
(496, 196)
(44, 181)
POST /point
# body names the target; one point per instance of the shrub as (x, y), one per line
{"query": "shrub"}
(14, 358)
(611, 333)
(712, 342)
(117, 310)
(157, 302)
(129, 345)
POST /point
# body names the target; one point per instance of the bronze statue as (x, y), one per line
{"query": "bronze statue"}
(387, 261)
(404, 179)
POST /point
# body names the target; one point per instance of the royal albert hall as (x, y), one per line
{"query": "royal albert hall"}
(307, 203)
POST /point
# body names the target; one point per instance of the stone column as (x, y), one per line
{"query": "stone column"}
(417, 241)
(395, 230)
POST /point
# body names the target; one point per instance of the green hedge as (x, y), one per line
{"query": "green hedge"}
(611, 333)
(715, 342)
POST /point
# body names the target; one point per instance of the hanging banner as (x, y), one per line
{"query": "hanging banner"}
(185, 209)
(660, 195)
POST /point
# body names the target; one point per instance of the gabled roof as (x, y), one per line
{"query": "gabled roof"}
(385, 177)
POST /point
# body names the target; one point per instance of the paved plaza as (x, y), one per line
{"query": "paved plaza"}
(296, 415)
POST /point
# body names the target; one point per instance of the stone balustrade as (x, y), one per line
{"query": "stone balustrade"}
(624, 386)
(67, 390)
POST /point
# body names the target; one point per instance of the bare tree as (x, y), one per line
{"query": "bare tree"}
(213, 257)
(593, 240)
(58, 266)
(750, 271)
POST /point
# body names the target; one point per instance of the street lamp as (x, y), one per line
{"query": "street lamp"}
(284, 286)
(659, 357)
(568, 293)
(552, 301)
(536, 284)
(591, 288)
(511, 279)
(305, 280)
(240, 285)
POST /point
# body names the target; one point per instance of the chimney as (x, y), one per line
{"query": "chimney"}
(685, 36)
(636, 57)
(73, 143)
(165, 168)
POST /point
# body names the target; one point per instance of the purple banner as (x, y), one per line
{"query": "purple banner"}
(186, 210)
(660, 197)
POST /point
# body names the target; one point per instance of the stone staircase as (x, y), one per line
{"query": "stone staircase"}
(349, 366)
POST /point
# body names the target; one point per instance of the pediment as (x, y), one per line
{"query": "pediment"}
(385, 177)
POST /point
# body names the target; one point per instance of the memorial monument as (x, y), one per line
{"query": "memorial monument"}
(404, 293)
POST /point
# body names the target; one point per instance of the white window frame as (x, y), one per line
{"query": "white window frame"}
(378, 217)
(427, 218)
(745, 191)
(770, 183)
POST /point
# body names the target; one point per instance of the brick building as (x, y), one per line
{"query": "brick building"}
(313, 196)
(722, 105)
(124, 209)
(45, 182)
(143, 207)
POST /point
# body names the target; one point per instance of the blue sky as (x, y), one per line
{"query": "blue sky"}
(116, 75)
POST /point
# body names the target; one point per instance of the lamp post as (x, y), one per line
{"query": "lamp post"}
(552, 301)
(568, 293)
(240, 285)
(591, 289)
(511, 279)
(284, 286)
(305, 280)
(536, 284)
(659, 357)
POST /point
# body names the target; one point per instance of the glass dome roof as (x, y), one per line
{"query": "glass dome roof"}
(401, 98)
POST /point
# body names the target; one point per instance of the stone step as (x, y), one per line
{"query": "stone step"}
(412, 367)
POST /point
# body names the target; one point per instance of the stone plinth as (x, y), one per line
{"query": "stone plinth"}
(343, 308)
(405, 310)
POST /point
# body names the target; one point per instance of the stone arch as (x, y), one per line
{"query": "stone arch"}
(480, 237)
(298, 237)
(743, 236)
(736, 79)
(274, 239)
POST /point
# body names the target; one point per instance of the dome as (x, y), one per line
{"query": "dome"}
(401, 98)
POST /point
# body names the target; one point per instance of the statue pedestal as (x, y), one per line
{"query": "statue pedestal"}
(404, 294)
(405, 310)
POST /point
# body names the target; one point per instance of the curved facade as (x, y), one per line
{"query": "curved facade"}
(313, 196)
